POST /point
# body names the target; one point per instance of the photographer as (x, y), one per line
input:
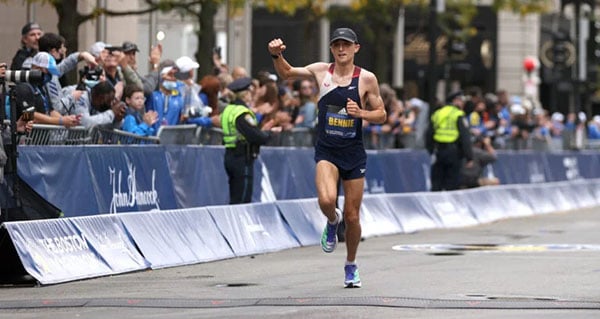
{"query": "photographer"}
(35, 95)
(54, 44)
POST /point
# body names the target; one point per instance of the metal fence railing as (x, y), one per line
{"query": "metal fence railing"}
(189, 134)
(43, 134)
(100, 135)
(184, 134)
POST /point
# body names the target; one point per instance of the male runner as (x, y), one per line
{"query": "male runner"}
(344, 92)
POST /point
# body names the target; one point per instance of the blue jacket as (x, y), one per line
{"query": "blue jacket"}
(169, 113)
(134, 123)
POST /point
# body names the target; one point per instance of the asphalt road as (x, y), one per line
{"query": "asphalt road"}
(536, 267)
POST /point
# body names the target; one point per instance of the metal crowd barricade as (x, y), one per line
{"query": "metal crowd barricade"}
(298, 136)
(212, 136)
(181, 134)
(100, 135)
(44, 134)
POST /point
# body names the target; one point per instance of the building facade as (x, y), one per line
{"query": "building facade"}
(496, 53)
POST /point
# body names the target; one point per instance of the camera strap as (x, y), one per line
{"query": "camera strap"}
(6, 100)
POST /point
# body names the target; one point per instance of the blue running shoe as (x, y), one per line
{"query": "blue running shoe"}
(329, 238)
(352, 277)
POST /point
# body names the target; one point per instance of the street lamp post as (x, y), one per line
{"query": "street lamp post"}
(435, 7)
(432, 74)
(579, 72)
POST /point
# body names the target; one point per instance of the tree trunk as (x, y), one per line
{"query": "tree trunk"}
(69, 20)
(206, 37)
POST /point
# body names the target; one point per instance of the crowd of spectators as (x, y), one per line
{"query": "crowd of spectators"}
(510, 122)
(111, 93)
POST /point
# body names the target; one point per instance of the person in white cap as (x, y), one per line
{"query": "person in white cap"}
(98, 50)
(194, 112)
(345, 90)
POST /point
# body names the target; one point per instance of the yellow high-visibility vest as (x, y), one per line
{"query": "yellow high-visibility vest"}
(230, 133)
(444, 124)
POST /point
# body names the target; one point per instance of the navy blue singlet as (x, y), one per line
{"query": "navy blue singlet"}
(339, 135)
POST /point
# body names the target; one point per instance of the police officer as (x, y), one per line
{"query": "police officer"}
(242, 138)
(449, 142)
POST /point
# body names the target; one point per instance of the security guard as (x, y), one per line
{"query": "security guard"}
(242, 138)
(449, 142)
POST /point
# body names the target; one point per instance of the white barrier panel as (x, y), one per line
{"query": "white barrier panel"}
(304, 218)
(177, 237)
(377, 217)
(451, 212)
(484, 206)
(409, 212)
(581, 193)
(253, 228)
(60, 250)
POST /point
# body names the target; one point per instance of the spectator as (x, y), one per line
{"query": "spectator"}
(130, 49)
(209, 94)
(100, 107)
(541, 132)
(557, 124)
(483, 155)
(151, 81)
(594, 128)
(381, 134)
(503, 119)
(30, 34)
(238, 72)
(137, 120)
(219, 67)
(575, 131)
(307, 113)
(99, 52)
(112, 71)
(167, 100)
(266, 99)
(477, 119)
(35, 94)
(421, 111)
(62, 101)
(194, 110)
(128, 64)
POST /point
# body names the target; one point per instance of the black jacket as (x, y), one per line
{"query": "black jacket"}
(20, 57)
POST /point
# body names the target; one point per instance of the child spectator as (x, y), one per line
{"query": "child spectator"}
(137, 119)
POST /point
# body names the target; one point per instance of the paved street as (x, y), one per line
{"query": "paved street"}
(537, 267)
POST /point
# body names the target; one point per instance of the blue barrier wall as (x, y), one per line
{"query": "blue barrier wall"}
(89, 180)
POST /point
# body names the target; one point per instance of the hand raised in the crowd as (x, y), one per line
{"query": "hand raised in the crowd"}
(119, 109)
(150, 117)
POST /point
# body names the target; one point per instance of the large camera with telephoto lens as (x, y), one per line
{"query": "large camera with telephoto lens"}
(16, 76)
(8, 82)
(88, 75)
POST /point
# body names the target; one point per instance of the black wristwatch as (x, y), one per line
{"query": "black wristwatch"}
(275, 56)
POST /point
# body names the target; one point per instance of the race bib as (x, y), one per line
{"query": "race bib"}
(339, 123)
